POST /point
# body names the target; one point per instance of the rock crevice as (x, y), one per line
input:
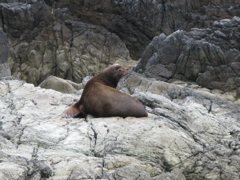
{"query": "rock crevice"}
(181, 138)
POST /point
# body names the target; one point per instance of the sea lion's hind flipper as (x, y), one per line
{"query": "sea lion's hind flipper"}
(73, 111)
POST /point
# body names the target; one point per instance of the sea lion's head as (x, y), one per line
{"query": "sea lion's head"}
(114, 73)
(117, 72)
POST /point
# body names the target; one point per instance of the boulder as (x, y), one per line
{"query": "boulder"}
(61, 85)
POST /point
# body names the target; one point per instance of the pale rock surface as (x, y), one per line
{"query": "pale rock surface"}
(188, 135)
(61, 85)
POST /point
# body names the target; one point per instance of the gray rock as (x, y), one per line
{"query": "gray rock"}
(13, 167)
(4, 52)
(175, 174)
(132, 21)
(61, 85)
(67, 86)
(204, 56)
(47, 41)
(191, 133)
(72, 39)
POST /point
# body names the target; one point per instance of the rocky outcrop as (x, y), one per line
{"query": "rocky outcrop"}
(136, 25)
(211, 57)
(46, 41)
(4, 52)
(75, 38)
(190, 134)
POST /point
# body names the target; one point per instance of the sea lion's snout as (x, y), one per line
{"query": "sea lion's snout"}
(123, 71)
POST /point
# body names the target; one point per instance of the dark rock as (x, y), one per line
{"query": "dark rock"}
(49, 41)
(4, 52)
(209, 57)
(75, 38)
(45, 171)
(224, 77)
(136, 25)
(25, 21)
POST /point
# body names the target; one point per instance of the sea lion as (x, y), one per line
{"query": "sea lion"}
(100, 97)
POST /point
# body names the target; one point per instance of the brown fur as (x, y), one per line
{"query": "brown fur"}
(100, 97)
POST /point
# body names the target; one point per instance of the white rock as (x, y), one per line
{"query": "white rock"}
(186, 129)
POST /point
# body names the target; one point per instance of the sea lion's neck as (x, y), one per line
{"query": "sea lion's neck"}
(106, 80)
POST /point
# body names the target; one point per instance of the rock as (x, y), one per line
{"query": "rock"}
(189, 96)
(52, 42)
(22, 168)
(204, 56)
(136, 25)
(61, 85)
(127, 64)
(4, 52)
(175, 174)
(72, 39)
(190, 133)
(224, 77)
